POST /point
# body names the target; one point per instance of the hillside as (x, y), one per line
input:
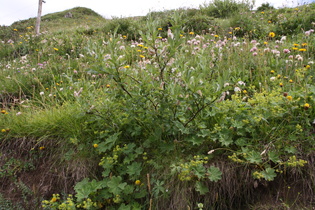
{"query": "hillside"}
(209, 108)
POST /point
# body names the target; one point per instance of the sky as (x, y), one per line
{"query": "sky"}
(15, 10)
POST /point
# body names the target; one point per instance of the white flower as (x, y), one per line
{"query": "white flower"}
(272, 78)
(237, 89)
(241, 83)
(41, 93)
(19, 113)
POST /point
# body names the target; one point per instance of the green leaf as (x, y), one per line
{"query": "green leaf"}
(254, 157)
(134, 169)
(201, 188)
(269, 174)
(85, 188)
(290, 149)
(273, 156)
(115, 185)
(214, 174)
(196, 140)
(108, 143)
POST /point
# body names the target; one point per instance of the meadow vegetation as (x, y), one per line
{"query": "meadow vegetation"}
(119, 114)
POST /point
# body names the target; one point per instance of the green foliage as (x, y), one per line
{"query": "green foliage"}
(265, 7)
(224, 8)
(157, 112)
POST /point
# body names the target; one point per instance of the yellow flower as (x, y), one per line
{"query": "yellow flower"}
(127, 67)
(262, 12)
(306, 106)
(142, 56)
(3, 130)
(244, 91)
(291, 81)
(237, 28)
(160, 29)
(124, 36)
(41, 148)
(108, 86)
(272, 34)
(95, 145)
(278, 76)
(304, 44)
(272, 71)
(137, 182)
(281, 85)
(54, 199)
(296, 45)
(15, 29)
(56, 49)
(191, 33)
(269, 21)
(216, 36)
(307, 66)
(265, 43)
(3, 111)
(302, 50)
(295, 48)
(289, 98)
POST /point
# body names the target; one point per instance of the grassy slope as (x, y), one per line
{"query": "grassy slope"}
(51, 135)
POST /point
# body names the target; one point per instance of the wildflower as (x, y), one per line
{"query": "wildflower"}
(124, 36)
(138, 182)
(56, 49)
(42, 148)
(272, 34)
(216, 36)
(19, 113)
(265, 43)
(289, 98)
(278, 76)
(41, 93)
(160, 29)
(285, 94)
(237, 89)
(291, 81)
(108, 86)
(281, 84)
(296, 45)
(191, 33)
(255, 53)
(15, 29)
(304, 44)
(3, 130)
(127, 67)
(237, 28)
(269, 21)
(262, 12)
(244, 91)
(286, 51)
(306, 106)
(3, 111)
(307, 66)
(272, 78)
(272, 71)
(54, 199)
(142, 56)
(302, 50)
(95, 145)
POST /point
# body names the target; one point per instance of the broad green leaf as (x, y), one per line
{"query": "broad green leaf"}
(201, 188)
(273, 156)
(108, 143)
(214, 174)
(269, 174)
(115, 186)
(195, 140)
(134, 169)
(254, 157)
(290, 149)
(86, 187)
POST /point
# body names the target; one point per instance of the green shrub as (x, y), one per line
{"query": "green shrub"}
(224, 8)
